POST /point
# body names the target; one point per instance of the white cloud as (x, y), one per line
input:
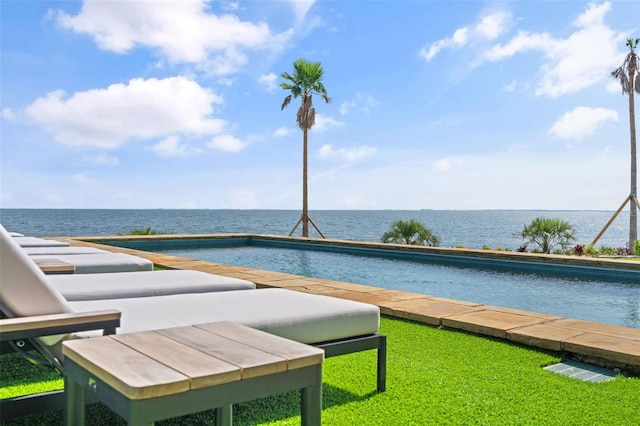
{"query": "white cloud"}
(511, 87)
(268, 81)
(581, 122)
(226, 63)
(346, 154)
(9, 115)
(230, 5)
(141, 109)
(300, 8)
(448, 164)
(103, 160)
(363, 101)
(584, 58)
(489, 27)
(613, 86)
(282, 131)
(493, 25)
(226, 81)
(324, 123)
(226, 143)
(180, 31)
(171, 147)
(82, 178)
(346, 106)
(522, 41)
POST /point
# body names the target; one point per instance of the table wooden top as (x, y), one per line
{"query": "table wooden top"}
(164, 362)
(55, 266)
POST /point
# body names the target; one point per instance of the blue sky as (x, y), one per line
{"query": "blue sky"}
(436, 104)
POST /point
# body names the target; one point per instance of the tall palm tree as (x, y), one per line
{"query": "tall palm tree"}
(305, 82)
(629, 78)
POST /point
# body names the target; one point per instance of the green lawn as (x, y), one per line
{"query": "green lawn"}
(435, 377)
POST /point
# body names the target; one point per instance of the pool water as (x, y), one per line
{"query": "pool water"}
(600, 299)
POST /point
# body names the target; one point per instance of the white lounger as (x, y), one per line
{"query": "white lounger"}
(142, 284)
(39, 242)
(102, 262)
(16, 234)
(340, 326)
(62, 250)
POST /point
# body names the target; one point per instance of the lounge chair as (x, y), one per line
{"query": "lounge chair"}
(16, 234)
(100, 262)
(62, 250)
(39, 242)
(338, 326)
(121, 285)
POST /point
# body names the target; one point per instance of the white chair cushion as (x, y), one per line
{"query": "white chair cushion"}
(100, 263)
(122, 285)
(306, 318)
(39, 242)
(63, 250)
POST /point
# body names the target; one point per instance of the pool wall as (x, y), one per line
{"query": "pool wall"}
(580, 267)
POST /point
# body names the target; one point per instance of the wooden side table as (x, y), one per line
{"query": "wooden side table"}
(55, 266)
(154, 375)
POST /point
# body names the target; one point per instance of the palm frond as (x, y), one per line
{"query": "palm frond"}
(286, 102)
(620, 75)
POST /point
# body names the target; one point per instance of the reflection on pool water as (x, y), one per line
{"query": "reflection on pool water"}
(615, 301)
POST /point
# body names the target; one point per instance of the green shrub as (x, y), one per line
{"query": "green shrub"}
(592, 250)
(608, 251)
(140, 231)
(636, 247)
(486, 247)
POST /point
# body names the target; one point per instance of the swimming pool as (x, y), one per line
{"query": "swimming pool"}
(594, 294)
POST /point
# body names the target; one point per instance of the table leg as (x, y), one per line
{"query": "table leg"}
(74, 406)
(224, 415)
(311, 402)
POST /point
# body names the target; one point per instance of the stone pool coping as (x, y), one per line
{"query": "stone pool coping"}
(596, 343)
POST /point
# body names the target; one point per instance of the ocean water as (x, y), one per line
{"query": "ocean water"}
(469, 228)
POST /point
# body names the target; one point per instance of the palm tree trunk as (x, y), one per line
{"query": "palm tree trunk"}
(305, 200)
(633, 218)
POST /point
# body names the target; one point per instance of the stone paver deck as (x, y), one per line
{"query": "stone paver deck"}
(596, 343)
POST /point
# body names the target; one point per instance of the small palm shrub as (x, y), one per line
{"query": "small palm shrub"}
(548, 233)
(412, 232)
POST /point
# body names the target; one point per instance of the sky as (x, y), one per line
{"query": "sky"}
(435, 104)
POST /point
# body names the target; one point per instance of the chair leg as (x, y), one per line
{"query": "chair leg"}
(382, 364)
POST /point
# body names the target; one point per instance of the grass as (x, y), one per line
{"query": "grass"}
(434, 376)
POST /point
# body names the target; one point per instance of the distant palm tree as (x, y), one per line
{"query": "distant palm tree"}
(411, 232)
(305, 82)
(548, 233)
(629, 78)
